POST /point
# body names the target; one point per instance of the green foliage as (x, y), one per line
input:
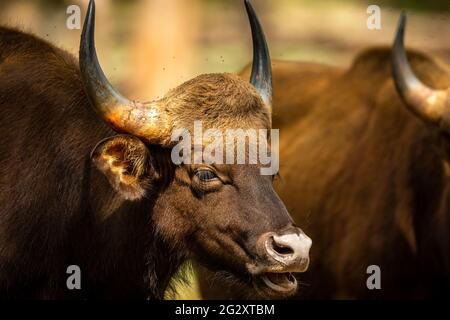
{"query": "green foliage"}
(421, 5)
(417, 5)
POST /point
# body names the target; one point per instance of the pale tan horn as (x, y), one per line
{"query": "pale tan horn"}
(429, 104)
(144, 120)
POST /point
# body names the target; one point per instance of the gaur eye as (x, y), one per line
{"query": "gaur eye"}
(205, 175)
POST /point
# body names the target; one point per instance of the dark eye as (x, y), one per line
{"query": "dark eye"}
(205, 175)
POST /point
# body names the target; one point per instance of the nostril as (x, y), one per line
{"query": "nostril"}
(289, 250)
(280, 248)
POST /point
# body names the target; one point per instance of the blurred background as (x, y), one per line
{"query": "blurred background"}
(147, 47)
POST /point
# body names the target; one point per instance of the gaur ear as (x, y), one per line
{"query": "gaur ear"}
(124, 160)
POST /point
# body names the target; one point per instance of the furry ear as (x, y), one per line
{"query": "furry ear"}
(125, 161)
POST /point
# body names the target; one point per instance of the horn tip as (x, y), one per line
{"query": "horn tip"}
(403, 18)
(400, 29)
(403, 14)
(248, 6)
(91, 8)
(90, 15)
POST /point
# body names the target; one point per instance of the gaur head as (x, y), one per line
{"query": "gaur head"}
(431, 105)
(226, 216)
(427, 95)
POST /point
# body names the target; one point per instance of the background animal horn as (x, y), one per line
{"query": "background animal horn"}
(427, 103)
(142, 120)
(261, 76)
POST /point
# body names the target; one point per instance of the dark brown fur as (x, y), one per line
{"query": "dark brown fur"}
(370, 179)
(118, 208)
(45, 186)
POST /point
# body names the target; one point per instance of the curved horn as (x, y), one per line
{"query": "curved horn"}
(125, 116)
(261, 77)
(427, 103)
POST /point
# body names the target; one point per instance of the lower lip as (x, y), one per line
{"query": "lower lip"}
(289, 285)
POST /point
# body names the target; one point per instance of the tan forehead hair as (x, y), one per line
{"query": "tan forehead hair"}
(221, 101)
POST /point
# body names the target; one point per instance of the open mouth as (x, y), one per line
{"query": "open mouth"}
(272, 284)
(280, 282)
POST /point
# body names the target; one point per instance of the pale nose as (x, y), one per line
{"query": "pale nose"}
(291, 250)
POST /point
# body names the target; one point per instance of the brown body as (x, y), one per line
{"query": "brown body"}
(123, 208)
(48, 131)
(367, 177)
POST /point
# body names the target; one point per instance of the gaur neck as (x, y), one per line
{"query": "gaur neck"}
(118, 246)
(430, 178)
